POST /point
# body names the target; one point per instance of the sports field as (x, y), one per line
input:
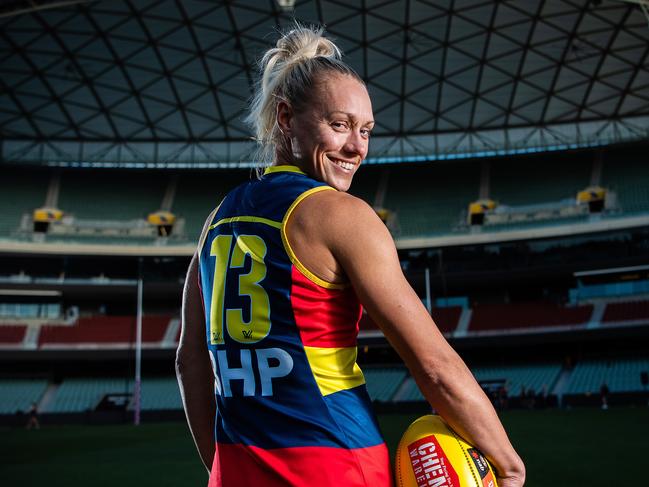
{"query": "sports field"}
(579, 447)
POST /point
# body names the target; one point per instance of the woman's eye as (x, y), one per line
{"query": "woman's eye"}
(339, 125)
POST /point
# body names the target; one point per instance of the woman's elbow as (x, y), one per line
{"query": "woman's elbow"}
(440, 368)
(183, 358)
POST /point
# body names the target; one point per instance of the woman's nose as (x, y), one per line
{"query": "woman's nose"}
(356, 144)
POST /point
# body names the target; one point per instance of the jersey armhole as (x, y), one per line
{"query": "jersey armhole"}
(205, 231)
(289, 250)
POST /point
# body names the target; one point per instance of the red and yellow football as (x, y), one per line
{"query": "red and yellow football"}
(431, 454)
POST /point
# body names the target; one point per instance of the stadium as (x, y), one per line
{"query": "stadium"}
(508, 162)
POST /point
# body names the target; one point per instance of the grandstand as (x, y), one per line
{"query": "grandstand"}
(112, 196)
(198, 194)
(12, 335)
(21, 192)
(508, 160)
(382, 383)
(104, 330)
(486, 318)
(432, 199)
(424, 201)
(160, 394)
(502, 177)
(537, 378)
(618, 375)
(81, 395)
(386, 385)
(630, 181)
(17, 395)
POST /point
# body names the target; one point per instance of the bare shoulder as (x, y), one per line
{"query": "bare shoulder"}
(340, 221)
(334, 208)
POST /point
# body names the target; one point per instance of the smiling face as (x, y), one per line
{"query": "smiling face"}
(330, 136)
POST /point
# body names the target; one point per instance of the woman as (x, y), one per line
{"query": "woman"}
(272, 300)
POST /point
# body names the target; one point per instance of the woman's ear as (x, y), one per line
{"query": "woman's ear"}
(284, 118)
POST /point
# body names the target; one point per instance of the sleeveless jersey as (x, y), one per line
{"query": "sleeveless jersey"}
(292, 406)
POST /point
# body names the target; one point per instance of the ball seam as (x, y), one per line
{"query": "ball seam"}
(466, 457)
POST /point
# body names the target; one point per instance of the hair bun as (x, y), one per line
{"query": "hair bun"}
(301, 44)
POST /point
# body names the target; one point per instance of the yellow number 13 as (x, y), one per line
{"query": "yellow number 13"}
(259, 325)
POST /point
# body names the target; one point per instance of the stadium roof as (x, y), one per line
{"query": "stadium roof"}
(164, 83)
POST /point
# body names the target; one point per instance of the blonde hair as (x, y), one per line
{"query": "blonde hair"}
(288, 73)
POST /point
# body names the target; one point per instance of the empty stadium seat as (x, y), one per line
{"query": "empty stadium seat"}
(534, 377)
(489, 317)
(79, 395)
(20, 193)
(198, 194)
(629, 178)
(382, 383)
(619, 375)
(366, 183)
(110, 195)
(410, 391)
(625, 311)
(447, 319)
(428, 199)
(105, 330)
(18, 395)
(12, 334)
(160, 394)
(526, 182)
(431, 199)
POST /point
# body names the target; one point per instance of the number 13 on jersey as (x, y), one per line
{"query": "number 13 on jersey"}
(231, 257)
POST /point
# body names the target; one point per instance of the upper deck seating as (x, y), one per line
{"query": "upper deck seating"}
(488, 317)
(111, 195)
(625, 311)
(12, 334)
(199, 193)
(628, 176)
(21, 192)
(105, 330)
(447, 319)
(431, 199)
(530, 181)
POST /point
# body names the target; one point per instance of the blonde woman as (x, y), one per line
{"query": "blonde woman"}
(267, 357)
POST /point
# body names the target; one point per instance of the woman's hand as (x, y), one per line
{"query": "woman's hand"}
(511, 482)
(515, 478)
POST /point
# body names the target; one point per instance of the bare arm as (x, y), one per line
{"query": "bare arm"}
(363, 247)
(194, 370)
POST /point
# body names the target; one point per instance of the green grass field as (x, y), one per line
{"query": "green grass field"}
(574, 448)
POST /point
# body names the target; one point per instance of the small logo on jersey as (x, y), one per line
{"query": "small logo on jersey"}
(430, 464)
(247, 333)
